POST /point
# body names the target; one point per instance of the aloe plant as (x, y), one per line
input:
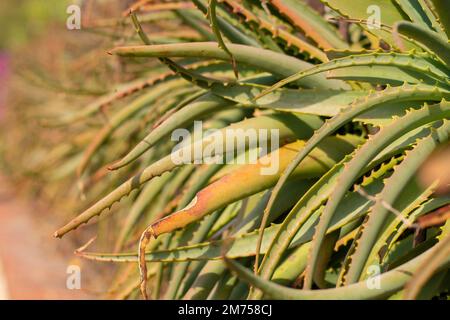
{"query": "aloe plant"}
(358, 113)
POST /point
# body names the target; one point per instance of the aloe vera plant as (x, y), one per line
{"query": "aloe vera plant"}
(358, 111)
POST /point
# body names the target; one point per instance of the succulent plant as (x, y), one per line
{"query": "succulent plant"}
(359, 109)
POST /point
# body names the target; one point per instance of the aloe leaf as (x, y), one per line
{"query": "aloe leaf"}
(313, 199)
(383, 61)
(266, 60)
(224, 190)
(405, 93)
(394, 186)
(390, 282)
(123, 115)
(288, 38)
(311, 23)
(309, 101)
(416, 12)
(333, 54)
(185, 116)
(194, 20)
(301, 212)
(177, 68)
(441, 8)
(289, 196)
(319, 102)
(240, 291)
(368, 151)
(428, 206)
(205, 281)
(438, 260)
(243, 244)
(414, 195)
(216, 30)
(233, 34)
(352, 207)
(428, 38)
(288, 126)
(148, 193)
(179, 270)
(200, 288)
(294, 264)
(365, 10)
(224, 287)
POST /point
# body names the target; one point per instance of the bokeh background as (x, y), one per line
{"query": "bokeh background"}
(38, 64)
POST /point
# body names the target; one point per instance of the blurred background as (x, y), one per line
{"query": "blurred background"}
(38, 64)
(20, 22)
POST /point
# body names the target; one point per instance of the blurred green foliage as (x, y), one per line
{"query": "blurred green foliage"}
(22, 19)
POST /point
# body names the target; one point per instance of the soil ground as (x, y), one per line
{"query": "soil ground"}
(33, 265)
